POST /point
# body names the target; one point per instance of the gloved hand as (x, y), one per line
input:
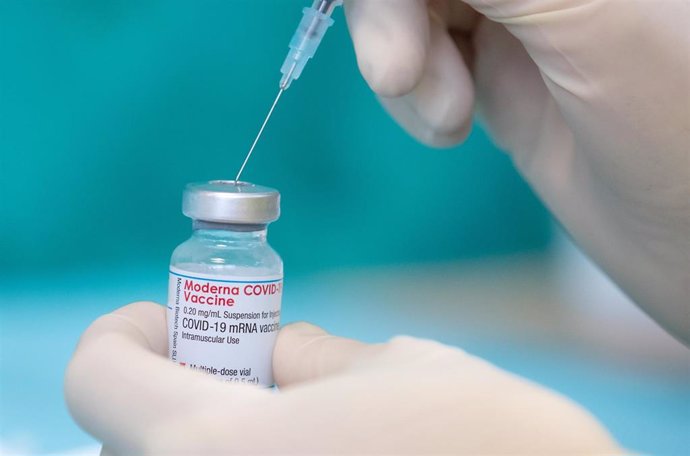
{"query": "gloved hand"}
(591, 98)
(337, 395)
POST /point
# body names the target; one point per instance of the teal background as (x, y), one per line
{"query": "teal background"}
(108, 108)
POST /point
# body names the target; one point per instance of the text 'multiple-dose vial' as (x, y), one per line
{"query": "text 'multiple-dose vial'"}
(226, 283)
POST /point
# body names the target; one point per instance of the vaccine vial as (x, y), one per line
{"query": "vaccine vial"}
(226, 283)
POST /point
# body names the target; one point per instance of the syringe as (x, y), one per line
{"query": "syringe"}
(303, 45)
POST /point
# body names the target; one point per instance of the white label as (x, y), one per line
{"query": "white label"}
(225, 326)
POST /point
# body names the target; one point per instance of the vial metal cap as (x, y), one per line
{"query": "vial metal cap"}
(224, 201)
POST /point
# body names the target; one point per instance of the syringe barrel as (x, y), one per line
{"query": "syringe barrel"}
(305, 41)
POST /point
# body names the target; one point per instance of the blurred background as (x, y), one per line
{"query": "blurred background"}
(108, 108)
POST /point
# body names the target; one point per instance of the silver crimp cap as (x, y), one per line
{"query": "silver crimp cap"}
(224, 201)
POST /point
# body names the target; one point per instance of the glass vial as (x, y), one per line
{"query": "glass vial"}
(226, 283)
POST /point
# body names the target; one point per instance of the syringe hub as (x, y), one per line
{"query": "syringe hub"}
(311, 30)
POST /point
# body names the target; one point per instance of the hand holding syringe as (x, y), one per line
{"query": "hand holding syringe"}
(303, 45)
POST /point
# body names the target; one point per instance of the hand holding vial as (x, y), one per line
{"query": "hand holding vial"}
(336, 396)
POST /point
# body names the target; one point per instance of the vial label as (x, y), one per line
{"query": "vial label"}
(225, 326)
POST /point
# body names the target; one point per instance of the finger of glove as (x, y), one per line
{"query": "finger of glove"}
(306, 352)
(146, 324)
(390, 38)
(118, 386)
(438, 111)
(516, 107)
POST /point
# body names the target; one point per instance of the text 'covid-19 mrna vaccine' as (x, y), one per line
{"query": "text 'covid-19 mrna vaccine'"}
(226, 283)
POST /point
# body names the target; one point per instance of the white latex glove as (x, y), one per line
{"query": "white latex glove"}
(408, 396)
(591, 98)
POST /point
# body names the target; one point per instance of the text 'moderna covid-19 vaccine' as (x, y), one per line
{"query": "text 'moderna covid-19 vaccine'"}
(226, 283)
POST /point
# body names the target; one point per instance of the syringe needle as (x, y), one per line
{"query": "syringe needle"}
(261, 130)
